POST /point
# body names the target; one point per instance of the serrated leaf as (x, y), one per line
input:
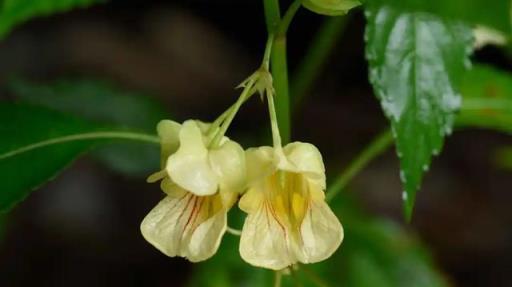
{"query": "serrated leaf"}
(22, 126)
(14, 12)
(487, 99)
(102, 102)
(494, 13)
(416, 62)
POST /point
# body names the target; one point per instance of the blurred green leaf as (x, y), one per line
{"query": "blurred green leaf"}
(487, 99)
(374, 253)
(102, 102)
(22, 126)
(416, 62)
(494, 13)
(503, 158)
(487, 103)
(37, 143)
(377, 252)
(14, 12)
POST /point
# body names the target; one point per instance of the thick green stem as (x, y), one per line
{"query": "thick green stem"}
(379, 145)
(272, 15)
(280, 75)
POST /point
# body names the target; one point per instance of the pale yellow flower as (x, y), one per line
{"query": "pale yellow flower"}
(288, 219)
(201, 183)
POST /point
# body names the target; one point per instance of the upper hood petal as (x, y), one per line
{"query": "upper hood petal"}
(228, 162)
(305, 158)
(189, 167)
(168, 131)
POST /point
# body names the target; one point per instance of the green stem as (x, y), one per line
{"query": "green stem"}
(380, 144)
(276, 136)
(282, 29)
(219, 120)
(278, 61)
(232, 112)
(272, 14)
(277, 278)
(84, 136)
(268, 52)
(280, 76)
(316, 56)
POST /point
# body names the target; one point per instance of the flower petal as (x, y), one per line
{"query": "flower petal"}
(251, 201)
(306, 159)
(168, 132)
(162, 227)
(264, 240)
(205, 240)
(189, 226)
(321, 232)
(260, 163)
(189, 166)
(172, 189)
(228, 162)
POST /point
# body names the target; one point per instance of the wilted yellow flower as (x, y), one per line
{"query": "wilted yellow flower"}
(288, 219)
(201, 183)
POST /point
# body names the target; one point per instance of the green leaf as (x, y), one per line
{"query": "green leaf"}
(102, 102)
(487, 99)
(416, 62)
(22, 126)
(494, 13)
(38, 143)
(14, 12)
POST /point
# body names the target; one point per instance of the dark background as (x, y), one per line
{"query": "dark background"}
(82, 229)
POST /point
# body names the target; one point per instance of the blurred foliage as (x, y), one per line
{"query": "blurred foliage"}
(487, 99)
(375, 252)
(14, 12)
(503, 158)
(104, 103)
(416, 62)
(494, 13)
(23, 126)
(2, 226)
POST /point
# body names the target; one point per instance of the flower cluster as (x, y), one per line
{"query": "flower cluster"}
(203, 174)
